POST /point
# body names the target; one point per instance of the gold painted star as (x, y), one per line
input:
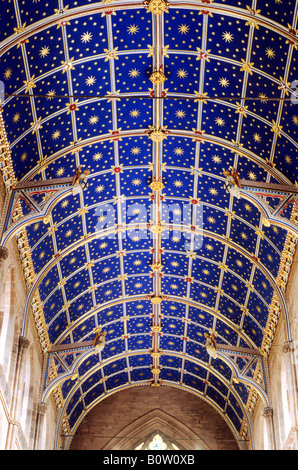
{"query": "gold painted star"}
(56, 135)
(44, 51)
(213, 191)
(134, 113)
(7, 73)
(257, 137)
(97, 156)
(60, 171)
(263, 97)
(219, 121)
(51, 94)
(252, 176)
(227, 37)
(270, 53)
(181, 73)
(180, 113)
(178, 151)
(16, 117)
(216, 158)
(183, 29)
(209, 247)
(224, 82)
(135, 150)
(90, 80)
(133, 29)
(86, 37)
(288, 159)
(134, 73)
(93, 120)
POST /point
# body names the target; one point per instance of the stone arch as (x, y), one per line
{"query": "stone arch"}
(156, 421)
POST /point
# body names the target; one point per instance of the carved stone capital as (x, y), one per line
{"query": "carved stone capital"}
(3, 253)
(268, 412)
(288, 347)
(42, 408)
(24, 342)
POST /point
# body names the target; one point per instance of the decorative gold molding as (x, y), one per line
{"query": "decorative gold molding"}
(157, 185)
(158, 77)
(155, 354)
(275, 307)
(156, 300)
(156, 266)
(281, 281)
(157, 135)
(157, 7)
(5, 156)
(22, 238)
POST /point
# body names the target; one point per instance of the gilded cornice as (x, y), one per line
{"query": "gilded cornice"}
(25, 255)
(274, 310)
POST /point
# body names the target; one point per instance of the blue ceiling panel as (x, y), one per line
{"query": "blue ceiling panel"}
(141, 374)
(116, 380)
(194, 382)
(140, 361)
(114, 366)
(140, 341)
(94, 393)
(171, 375)
(153, 247)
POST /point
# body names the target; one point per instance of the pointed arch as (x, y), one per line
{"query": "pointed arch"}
(146, 426)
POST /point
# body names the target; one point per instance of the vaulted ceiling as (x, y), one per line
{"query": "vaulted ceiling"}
(156, 266)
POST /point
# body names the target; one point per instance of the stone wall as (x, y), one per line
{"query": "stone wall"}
(115, 413)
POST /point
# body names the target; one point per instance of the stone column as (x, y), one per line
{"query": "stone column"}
(23, 346)
(289, 351)
(268, 415)
(41, 411)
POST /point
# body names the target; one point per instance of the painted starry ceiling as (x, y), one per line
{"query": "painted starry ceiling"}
(79, 92)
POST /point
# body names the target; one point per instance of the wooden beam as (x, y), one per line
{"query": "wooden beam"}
(238, 350)
(69, 348)
(42, 183)
(290, 189)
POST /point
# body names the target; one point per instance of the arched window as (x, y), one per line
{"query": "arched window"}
(157, 442)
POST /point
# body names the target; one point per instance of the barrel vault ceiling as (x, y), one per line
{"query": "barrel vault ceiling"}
(156, 266)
